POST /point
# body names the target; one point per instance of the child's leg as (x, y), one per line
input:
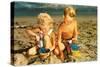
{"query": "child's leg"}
(62, 57)
(68, 49)
(56, 51)
(67, 52)
(59, 53)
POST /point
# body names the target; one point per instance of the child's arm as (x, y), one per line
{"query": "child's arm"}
(59, 35)
(75, 32)
(30, 32)
(60, 44)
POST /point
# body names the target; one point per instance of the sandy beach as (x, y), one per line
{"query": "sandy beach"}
(87, 39)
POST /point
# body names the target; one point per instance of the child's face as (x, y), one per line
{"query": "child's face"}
(68, 18)
(45, 22)
(45, 28)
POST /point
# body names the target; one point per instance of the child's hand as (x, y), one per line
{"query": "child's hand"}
(74, 39)
(37, 38)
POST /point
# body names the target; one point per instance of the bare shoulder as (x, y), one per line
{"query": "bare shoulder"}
(61, 25)
(75, 21)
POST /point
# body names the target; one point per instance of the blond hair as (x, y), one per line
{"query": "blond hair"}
(69, 11)
(45, 19)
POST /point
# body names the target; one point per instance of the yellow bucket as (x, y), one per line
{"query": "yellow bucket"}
(76, 54)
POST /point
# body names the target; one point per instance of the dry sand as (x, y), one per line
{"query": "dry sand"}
(87, 39)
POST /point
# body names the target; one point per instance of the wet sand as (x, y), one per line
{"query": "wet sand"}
(87, 39)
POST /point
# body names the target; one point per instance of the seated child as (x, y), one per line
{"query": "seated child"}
(67, 31)
(43, 33)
